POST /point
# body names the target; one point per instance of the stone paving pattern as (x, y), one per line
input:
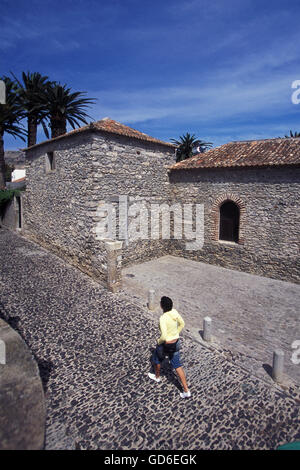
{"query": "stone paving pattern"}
(252, 316)
(93, 350)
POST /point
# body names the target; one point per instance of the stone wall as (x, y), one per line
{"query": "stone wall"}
(57, 203)
(269, 218)
(65, 209)
(62, 206)
(137, 171)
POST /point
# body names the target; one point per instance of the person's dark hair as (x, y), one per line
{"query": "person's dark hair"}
(166, 304)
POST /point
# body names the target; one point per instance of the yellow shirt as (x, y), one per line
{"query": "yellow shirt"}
(170, 324)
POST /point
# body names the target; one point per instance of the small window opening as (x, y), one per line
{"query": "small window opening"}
(50, 161)
(229, 222)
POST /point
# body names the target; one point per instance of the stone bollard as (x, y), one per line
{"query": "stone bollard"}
(278, 362)
(114, 265)
(207, 329)
(2, 352)
(151, 299)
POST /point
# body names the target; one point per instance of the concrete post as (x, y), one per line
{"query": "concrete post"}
(207, 329)
(151, 299)
(114, 265)
(2, 352)
(278, 363)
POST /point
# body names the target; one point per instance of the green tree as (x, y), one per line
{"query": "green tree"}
(64, 106)
(31, 93)
(292, 134)
(11, 114)
(186, 145)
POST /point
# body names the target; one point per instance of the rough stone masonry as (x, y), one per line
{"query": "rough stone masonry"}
(61, 206)
(96, 165)
(268, 199)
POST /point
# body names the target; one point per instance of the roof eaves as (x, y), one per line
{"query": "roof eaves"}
(87, 128)
(241, 165)
(92, 127)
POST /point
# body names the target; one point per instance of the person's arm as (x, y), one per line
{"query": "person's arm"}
(180, 323)
(163, 330)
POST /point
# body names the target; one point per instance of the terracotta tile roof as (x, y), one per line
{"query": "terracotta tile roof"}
(111, 127)
(256, 153)
(19, 180)
(114, 127)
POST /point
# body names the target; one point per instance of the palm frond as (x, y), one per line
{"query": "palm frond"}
(292, 134)
(11, 113)
(186, 145)
(66, 107)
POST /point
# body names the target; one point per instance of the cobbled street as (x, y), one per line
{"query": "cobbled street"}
(252, 316)
(93, 349)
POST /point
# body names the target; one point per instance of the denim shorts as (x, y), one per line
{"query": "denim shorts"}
(159, 355)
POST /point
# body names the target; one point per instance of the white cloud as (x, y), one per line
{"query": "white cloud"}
(65, 46)
(256, 83)
(13, 31)
(213, 101)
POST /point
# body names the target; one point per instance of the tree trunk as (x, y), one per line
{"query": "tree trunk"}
(31, 130)
(58, 126)
(2, 163)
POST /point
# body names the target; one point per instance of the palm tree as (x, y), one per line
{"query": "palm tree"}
(32, 97)
(64, 107)
(295, 134)
(187, 144)
(11, 114)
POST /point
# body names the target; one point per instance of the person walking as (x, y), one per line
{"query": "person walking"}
(171, 323)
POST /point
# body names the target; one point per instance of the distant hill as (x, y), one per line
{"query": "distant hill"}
(15, 158)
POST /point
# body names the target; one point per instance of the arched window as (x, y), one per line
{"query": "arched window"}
(229, 222)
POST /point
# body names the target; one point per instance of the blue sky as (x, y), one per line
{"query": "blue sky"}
(221, 70)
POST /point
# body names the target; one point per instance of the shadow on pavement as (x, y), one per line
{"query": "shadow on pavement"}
(268, 369)
(166, 371)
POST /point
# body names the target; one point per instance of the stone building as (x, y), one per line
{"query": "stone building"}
(84, 187)
(16, 160)
(250, 192)
(72, 177)
(11, 218)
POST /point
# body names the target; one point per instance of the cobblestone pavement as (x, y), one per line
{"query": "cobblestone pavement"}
(93, 350)
(252, 316)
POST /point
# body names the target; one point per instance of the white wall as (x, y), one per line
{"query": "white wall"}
(17, 174)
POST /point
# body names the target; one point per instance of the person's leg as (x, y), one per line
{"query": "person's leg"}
(176, 364)
(181, 375)
(156, 359)
(157, 370)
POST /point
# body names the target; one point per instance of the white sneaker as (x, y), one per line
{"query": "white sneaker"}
(153, 377)
(185, 394)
